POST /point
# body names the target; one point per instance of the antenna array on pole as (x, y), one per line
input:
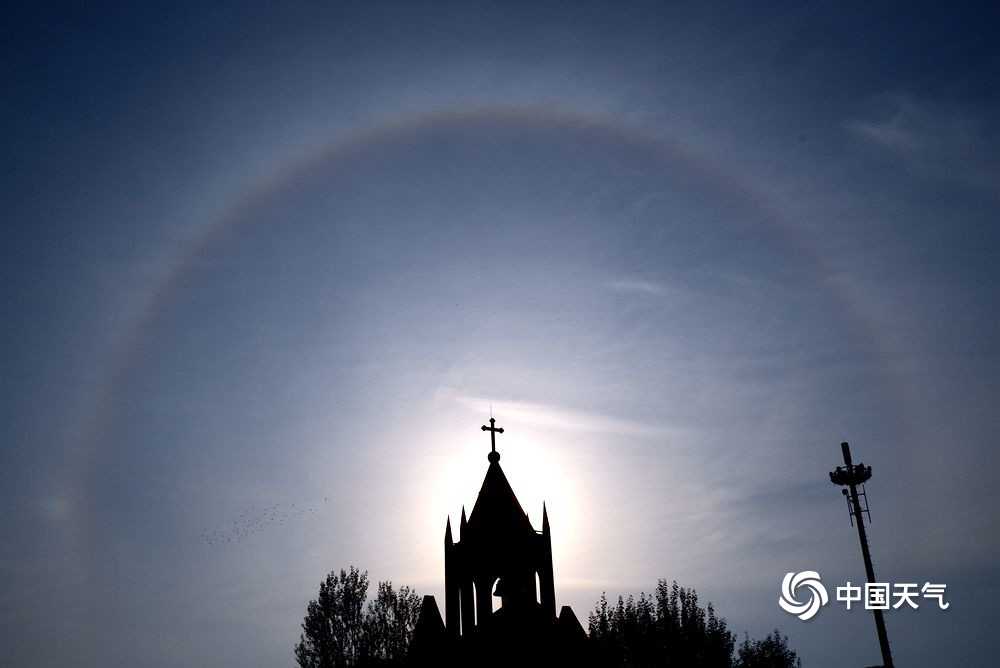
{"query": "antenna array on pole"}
(850, 476)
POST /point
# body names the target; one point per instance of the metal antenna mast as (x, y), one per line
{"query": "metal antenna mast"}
(851, 475)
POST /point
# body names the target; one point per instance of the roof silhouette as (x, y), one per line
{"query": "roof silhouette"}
(497, 507)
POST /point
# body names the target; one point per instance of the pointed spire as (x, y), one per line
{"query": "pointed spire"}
(464, 521)
(545, 519)
(447, 533)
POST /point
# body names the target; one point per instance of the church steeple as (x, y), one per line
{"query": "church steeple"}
(499, 554)
(497, 506)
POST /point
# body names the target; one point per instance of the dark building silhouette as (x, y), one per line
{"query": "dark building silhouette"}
(498, 553)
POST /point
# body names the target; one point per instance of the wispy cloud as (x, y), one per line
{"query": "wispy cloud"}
(548, 415)
(640, 286)
(931, 138)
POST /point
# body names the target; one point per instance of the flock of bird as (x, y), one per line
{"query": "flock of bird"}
(254, 520)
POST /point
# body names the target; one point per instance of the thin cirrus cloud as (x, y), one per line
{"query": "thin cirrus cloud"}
(929, 138)
(649, 288)
(549, 416)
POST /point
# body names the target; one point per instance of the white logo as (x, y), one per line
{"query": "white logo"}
(817, 594)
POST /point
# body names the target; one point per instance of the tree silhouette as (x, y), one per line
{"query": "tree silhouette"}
(771, 652)
(332, 629)
(337, 632)
(666, 629)
(669, 628)
(389, 625)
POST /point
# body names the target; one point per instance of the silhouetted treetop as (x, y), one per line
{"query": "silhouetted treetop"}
(669, 628)
(338, 632)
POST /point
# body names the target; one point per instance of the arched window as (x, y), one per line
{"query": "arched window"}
(475, 606)
(497, 601)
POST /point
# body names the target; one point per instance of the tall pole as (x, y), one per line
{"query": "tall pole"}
(854, 476)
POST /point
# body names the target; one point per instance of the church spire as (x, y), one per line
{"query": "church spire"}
(496, 552)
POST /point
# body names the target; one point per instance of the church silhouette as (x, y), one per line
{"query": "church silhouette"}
(498, 554)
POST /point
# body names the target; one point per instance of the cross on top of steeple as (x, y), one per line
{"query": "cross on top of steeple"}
(494, 456)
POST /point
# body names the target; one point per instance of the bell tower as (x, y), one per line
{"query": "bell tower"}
(498, 553)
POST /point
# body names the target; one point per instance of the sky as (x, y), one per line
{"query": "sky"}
(266, 269)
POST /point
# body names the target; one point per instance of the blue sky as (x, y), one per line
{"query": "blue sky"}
(265, 270)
